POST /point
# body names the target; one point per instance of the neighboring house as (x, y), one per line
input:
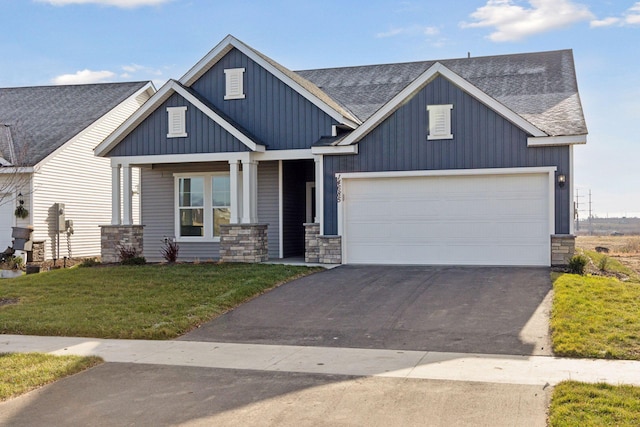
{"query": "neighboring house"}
(47, 137)
(461, 161)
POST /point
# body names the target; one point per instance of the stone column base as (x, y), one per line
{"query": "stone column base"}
(243, 243)
(311, 244)
(563, 247)
(330, 251)
(113, 237)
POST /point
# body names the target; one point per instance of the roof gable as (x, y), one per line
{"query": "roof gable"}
(42, 119)
(301, 85)
(158, 99)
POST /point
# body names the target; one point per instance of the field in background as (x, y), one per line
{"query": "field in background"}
(625, 249)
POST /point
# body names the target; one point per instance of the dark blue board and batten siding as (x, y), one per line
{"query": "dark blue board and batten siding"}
(204, 135)
(481, 139)
(273, 112)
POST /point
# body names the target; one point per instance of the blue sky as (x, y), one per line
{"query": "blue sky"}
(48, 42)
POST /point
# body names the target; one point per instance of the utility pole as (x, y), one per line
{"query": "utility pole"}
(577, 209)
(590, 216)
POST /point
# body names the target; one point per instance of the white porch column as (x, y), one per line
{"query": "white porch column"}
(249, 191)
(319, 164)
(115, 195)
(127, 184)
(233, 187)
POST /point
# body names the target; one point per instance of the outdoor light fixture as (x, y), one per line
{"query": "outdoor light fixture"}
(561, 180)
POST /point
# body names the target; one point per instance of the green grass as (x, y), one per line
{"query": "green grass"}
(613, 265)
(20, 373)
(580, 404)
(595, 317)
(141, 302)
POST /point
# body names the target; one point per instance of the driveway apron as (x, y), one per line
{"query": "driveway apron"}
(493, 310)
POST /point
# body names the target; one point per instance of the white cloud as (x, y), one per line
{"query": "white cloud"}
(606, 22)
(514, 22)
(128, 4)
(83, 77)
(633, 14)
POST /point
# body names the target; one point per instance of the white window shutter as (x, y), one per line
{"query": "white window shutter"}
(176, 122)
(234, 81)
(440, 121)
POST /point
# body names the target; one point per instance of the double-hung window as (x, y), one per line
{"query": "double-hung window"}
(203, 203)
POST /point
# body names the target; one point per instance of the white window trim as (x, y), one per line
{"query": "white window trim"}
(434, 111)
(207, 216)
(230, 74)
(179, 113)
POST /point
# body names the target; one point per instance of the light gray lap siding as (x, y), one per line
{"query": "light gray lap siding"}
(158, 212)
(204, 135)
(482, 139)
(269, 203)
(272, 111)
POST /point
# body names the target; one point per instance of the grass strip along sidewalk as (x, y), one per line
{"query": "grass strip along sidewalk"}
(135, 302)
(20, 373)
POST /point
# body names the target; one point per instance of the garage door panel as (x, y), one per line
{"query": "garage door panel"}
(474, 220)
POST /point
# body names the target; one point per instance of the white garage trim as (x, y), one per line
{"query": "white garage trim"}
(347, 180)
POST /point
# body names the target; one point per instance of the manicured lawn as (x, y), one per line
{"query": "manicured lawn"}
(579, 404)
(20, 373)
(595, 317)
(141, 302)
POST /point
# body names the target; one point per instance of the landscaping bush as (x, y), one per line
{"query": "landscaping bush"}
(577, 264)
(136, 260)
(169, 251)
(127, 254)
(89, 262)
(603, 263)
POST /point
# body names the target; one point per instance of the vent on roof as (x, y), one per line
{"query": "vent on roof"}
(176, 123)
(440, 121)
(234, 83)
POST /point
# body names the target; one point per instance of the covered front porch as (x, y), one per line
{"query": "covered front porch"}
(234, 207)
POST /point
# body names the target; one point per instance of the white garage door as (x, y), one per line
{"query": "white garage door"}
(464, 220)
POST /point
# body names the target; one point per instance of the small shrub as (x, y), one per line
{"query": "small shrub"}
(631, 247)
(126, 252)
(89, 262)
(603, 263)
(577, 263)
(136, 260)
(170, 250)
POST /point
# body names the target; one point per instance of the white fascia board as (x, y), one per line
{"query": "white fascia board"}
(16, 169)
(556, 140)
(335, 149)
(431, 73)
(179, 158)
(216, 118)
(230, 42)
(449, 172)
(303, 153)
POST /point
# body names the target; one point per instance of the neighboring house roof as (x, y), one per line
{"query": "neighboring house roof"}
(38, 120)
(540, 87)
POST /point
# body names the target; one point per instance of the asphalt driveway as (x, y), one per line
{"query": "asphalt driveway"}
(496, 310)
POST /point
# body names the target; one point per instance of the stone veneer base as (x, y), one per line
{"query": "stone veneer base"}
(244, 243)
(563, 247)
(330, 251)
(115, 236)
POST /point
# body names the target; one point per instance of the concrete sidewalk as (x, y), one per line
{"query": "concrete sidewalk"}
(485, 368)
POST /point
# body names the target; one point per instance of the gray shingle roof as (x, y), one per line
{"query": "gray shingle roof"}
(42, 118)
(541, 87)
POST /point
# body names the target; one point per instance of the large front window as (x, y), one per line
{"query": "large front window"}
(203, 204)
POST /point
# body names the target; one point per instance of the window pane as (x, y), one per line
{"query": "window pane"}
(191, 222)
(220, 216)
(191, 192)
(221, 189)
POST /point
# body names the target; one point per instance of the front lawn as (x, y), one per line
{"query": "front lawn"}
(20, 373)
(595, 317)
(580, 404)
(139, 302)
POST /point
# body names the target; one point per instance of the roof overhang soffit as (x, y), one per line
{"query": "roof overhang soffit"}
(152, 105)
(230, 42)
(546, 141)
(418, 84)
